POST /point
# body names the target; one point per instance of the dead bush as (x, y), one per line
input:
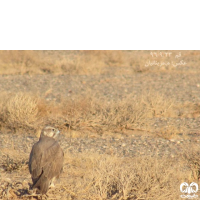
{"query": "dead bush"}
(20, 110)
(85, 113)
(130, 113)
(106, 177)
(192, 157)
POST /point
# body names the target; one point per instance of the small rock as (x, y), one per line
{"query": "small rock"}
(123, 144)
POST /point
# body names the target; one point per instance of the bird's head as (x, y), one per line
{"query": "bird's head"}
(50, 132)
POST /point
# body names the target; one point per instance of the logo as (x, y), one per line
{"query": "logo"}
(188, 190)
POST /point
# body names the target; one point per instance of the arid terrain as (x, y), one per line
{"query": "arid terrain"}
(129, 121)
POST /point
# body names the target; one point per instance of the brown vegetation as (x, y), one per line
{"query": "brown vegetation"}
(90, 62)
(94, 176)
(26, 111)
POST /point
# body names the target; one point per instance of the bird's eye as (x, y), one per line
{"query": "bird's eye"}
(53, 129)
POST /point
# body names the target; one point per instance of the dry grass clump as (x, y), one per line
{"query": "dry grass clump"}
(20, 62)
(189, 110)
(68, 62)
(94, 176)
(157, 105)
(21, 110)
(103, 62)
(17, 57)
(10, 164)
(192, 158)
(129, 113)
(171, 131)
(102, 115)
(110, 58)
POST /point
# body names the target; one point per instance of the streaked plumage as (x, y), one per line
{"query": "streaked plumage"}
(46, 160)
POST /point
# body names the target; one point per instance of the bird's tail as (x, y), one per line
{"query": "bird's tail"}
(42, 184)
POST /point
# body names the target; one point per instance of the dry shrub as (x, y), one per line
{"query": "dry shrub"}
(17, 57)
(106, 177)
(44, 62)
(10, 164)
(118, 62)
(103, 115)
(59, 62)
(191, 156)
(138, 178)
(81, 64)
(188, 109)
(70, 62)
(20, 111)
(171, 131)
(110, 58)
(20, 62)
(24, 110)
(157, 105)
(88, 62)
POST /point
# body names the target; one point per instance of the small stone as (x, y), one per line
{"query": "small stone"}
(123, 144)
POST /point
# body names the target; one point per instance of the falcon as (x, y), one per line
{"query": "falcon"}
(46, 160)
